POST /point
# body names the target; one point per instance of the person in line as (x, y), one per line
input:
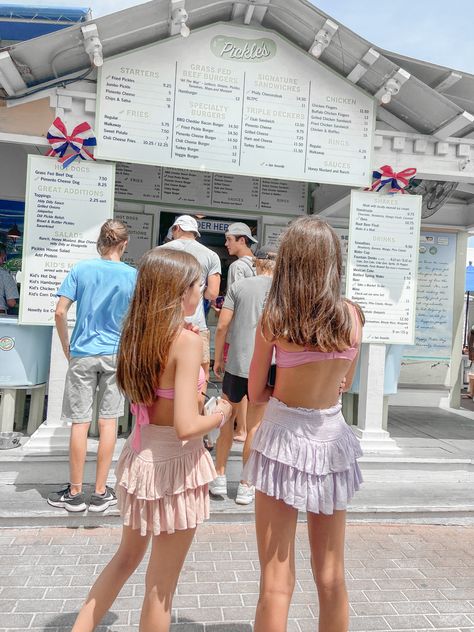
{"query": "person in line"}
(243, 306)
(164, 469)
(238, 239)
(8, 289)
(304, 455)
(102, 289)
(185, 232)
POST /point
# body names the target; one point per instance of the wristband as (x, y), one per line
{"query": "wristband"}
(223, 420)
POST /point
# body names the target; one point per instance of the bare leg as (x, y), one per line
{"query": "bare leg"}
(110, 582)
(276, 526)
(77, 455)
(240, 433)
(326, 537)
(166, 560)
(254, 418)
(105, 452)
(224, 444)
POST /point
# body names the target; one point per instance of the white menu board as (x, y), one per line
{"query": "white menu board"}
(64, 210)
(382, 264)
(140, 235)
(435, 297)
(144, 183)
(235, 99)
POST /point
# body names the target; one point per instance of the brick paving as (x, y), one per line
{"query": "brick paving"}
(400, 577)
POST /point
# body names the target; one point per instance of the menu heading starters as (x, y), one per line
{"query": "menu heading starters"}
(230, 100)
(64, 210)
(383, 262)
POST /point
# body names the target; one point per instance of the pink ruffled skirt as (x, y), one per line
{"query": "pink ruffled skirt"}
(305, 457)
(164, 486)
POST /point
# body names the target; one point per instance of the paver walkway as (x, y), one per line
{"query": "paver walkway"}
(399, 578)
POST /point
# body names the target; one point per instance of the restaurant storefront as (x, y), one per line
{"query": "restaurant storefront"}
(242, 119)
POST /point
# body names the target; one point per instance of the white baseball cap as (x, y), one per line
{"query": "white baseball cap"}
(239, 229)
(187, 223)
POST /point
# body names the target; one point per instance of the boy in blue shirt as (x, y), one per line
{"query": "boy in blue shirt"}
(102, 289)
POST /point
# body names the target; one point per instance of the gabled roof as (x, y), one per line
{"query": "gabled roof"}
(419, 105)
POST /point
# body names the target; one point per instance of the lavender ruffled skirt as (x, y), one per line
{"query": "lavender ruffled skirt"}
(305, 457)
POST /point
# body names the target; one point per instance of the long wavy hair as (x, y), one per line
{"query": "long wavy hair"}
(154, 320)
(304, 305)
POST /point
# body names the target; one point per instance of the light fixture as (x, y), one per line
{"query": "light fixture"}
(179, 17)
(323, 38)
(93, 45)
(392, 86)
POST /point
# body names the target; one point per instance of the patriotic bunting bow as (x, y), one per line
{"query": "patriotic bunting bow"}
(397, 181)
(70, 146)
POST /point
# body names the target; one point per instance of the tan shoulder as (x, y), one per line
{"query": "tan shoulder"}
(187, 342)
(357, 309)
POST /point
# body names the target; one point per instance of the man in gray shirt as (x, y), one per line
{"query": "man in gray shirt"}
(238, 239)
(242, 307)
(8, 290)
(184, 232)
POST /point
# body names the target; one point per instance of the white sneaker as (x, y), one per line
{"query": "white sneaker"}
(245, 494)
(218, 487)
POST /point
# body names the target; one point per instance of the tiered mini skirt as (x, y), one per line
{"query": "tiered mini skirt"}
(305, 457)
(163, 487)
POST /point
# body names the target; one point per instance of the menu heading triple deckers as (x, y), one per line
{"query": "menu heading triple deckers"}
(237, 100)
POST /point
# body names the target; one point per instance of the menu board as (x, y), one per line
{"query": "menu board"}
(213, 190)
(435, 297)
(235, 99)
(140, 235)
(382, 264)
(64, 210)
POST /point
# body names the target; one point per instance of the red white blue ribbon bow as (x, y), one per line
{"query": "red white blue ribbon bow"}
(387, 176)
(69, 147)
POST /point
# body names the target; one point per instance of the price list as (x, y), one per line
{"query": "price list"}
(214, 190)
(382, 264)
(233, 100)
(64, 209)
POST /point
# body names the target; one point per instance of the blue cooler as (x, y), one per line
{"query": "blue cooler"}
(25, 352)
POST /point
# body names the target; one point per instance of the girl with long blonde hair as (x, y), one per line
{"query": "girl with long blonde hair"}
(304, 456)
(164, 469)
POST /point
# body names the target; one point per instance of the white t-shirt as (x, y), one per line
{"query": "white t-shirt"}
(210, 264)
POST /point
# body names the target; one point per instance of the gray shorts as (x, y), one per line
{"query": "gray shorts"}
(86, 376)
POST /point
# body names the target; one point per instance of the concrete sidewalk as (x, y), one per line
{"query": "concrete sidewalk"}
(416, 578)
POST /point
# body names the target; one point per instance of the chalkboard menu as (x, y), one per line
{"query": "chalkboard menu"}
(146, 183)
(140, 235)
(234, 99)
(64, 210)
(383, 262)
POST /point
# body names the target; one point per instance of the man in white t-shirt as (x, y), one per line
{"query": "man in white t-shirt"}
(184, 232)
(238, 239)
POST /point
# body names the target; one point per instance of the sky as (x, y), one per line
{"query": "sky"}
(432, 30)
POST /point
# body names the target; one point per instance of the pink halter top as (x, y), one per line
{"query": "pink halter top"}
(288, 359)
(140, 411)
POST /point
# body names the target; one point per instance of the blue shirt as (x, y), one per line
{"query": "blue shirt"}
(102, 289)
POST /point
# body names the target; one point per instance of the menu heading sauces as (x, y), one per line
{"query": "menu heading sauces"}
(220, 102)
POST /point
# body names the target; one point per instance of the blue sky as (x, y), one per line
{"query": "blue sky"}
(432, 30)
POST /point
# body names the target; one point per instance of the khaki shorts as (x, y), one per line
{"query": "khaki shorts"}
(86, 376)
(206, 346)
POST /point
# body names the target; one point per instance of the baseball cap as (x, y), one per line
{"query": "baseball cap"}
(187, 223)
(265, 252)
(239, 229)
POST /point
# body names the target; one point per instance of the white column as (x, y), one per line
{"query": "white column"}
(370, 414)
(53, 434)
